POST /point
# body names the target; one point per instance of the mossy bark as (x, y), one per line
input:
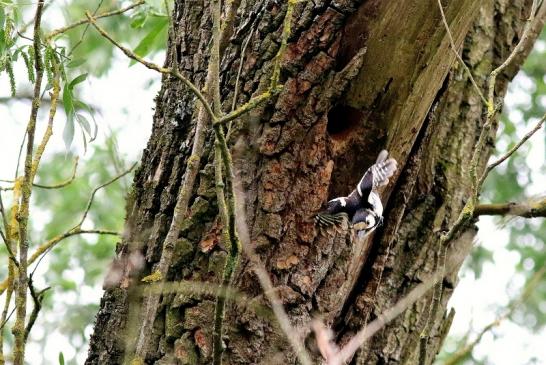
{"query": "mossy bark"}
(358, 76)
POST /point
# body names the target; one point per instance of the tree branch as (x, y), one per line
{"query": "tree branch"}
(153, 66)
(60, 185)
(37, 297)
(18, 328)
(92, 197)
(512, 150)
(86, 20)
(49, 244)
(525, 209)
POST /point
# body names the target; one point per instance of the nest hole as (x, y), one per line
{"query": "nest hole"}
(342, 120)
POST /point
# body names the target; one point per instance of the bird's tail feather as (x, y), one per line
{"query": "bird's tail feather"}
(331, 223)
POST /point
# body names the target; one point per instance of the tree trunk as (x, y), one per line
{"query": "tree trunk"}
(359, 76)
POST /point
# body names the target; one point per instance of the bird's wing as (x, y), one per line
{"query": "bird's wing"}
(331, 223)
(377, 175)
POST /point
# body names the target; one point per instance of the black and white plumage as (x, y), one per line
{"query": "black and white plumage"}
(363, 207)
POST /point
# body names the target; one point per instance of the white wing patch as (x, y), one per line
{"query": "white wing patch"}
(342, 201)
(375, 201)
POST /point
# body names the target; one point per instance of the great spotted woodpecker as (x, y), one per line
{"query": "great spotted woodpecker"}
(363, 207)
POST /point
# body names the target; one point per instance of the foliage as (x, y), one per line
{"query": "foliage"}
(80, 261)
(79, 51)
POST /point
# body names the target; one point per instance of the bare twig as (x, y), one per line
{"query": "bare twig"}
(459, 58)
(221, 189)
(239, 71)
(251, 104)
(153, 66)
(386, 317)
(37, 297)
(507, 155)
(21, 146)
(3, 324)
(92, 197)
(85, 30)
(62, 184)
(86, 20)
(518, 49)
(324, 337)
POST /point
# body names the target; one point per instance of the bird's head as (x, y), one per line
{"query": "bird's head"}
(367, 221)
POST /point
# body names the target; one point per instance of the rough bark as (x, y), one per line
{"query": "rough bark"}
(358, 76)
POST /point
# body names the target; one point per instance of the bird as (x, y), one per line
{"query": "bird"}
(363, 207)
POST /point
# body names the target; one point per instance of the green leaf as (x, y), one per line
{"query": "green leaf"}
(145, 45)
(75, 63)
(84, 123)
(84, 142)
(2, 16)
(81, 78)
(68, 133)
(80, 105)
(61, 358)
(68, 101)
(139, 19)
